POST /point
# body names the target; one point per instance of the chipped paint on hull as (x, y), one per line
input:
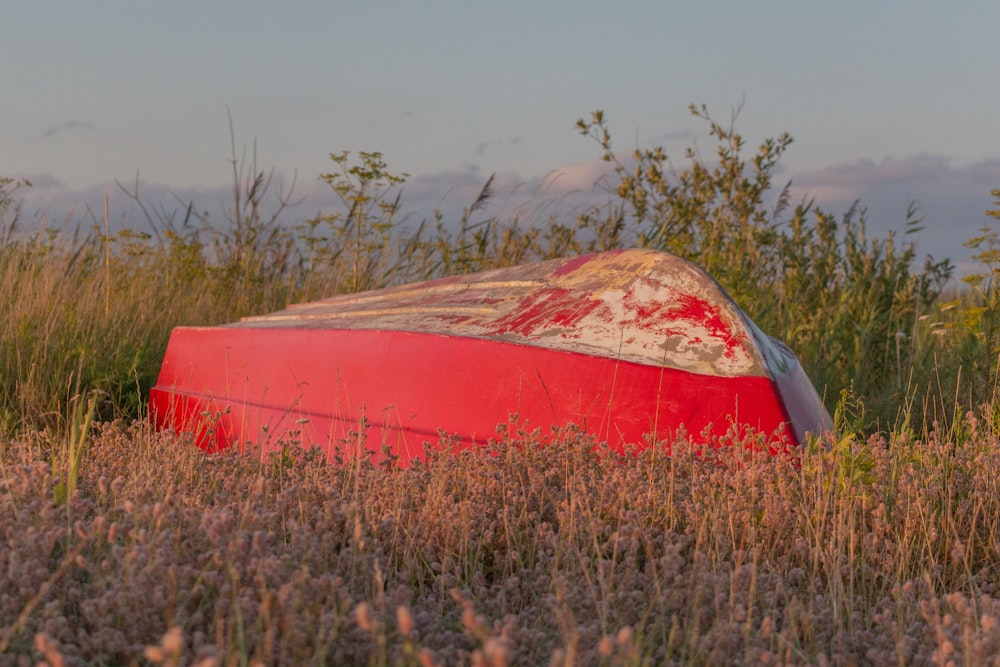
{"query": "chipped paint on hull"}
(641, 306)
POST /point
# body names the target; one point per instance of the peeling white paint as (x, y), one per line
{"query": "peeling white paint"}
(642, 306)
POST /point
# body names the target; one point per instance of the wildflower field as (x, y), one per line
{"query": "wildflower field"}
(878, 545)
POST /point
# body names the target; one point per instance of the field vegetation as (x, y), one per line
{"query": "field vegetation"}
(879, 545)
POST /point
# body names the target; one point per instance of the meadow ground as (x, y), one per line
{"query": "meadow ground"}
(878, 552)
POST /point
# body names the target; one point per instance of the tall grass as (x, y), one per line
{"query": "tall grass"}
(877, 547)
(861, 312)
(877, 552)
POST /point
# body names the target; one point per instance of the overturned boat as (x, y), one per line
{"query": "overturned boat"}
(633, 346)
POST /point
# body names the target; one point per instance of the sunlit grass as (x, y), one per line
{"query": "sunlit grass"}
(120, 544)
(878, 551)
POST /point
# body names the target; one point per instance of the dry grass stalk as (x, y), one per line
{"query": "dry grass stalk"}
(877, 552)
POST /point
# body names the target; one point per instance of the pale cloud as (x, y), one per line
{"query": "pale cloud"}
(951, 199)
(684, 138)
(42, 181)
(579, 176)
(61, 128)
(924, 171)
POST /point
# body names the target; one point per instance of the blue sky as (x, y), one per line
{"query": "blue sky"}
(889, 101)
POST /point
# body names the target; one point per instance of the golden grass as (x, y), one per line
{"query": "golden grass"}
(123, 546)
(878, 552)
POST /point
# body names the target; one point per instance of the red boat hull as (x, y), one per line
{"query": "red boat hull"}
(312, 383)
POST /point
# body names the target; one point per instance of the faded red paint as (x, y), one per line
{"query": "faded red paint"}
(575, 263)
(694, 309)
(547, 308)
(689, 309)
